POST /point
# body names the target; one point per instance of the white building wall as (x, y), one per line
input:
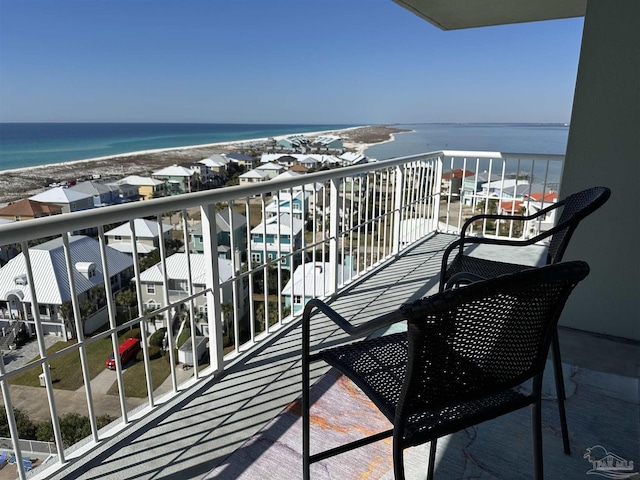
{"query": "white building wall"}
(604, 149)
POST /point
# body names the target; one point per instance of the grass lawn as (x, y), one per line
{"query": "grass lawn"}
(66, 372)
(135, 384)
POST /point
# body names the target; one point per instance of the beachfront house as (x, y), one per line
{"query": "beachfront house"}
(253, 176)
(126, 192)
(148, 187)
(147, 236)
(472, 185)
(216, 163)
(309, 162)
(293, 142)
(27, 209)
(271, 169)
(103, 194)
(452, 181)
(299, 169)
(177, 274)
(352, 158)
(327, 143)
(245, 161)
(52, 286)
(224, 229)
(315, 282)
(68, 200)
(276, 236)
(178, 179)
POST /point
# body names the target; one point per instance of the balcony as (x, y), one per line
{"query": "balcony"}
(402, 214)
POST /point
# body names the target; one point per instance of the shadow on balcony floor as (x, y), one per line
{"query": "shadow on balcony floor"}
(196, 432)
(602, 411)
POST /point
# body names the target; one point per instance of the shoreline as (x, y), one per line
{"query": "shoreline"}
(24, 182)
(116, 156)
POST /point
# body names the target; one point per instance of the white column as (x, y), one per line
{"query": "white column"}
(604, 149)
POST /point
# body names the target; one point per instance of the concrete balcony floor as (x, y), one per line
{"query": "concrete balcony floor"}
(197, 431)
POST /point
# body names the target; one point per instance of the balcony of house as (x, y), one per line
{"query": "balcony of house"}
(230, 411)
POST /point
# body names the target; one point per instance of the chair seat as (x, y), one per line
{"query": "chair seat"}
(378, 367)
(482, 267)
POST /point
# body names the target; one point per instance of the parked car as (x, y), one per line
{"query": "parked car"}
(127, 350)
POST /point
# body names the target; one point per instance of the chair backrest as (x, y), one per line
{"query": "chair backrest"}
(484, 338)
(575, 207)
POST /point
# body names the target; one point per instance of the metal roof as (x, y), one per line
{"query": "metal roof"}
(177, 269)
(144, 229)
(286, 225)
(60, 195)
(50, 271)
(174, 171)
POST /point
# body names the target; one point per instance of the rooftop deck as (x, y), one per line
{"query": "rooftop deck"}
(196, 431)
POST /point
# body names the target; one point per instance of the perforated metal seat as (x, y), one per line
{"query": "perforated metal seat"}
(574, 209)
(458, 364)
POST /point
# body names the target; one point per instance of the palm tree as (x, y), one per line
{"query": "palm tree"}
(127, 298)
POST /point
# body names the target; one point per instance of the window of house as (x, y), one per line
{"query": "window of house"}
(297, 299)
(151, 288)
(270, 256)
(118, 237)
(256, 257)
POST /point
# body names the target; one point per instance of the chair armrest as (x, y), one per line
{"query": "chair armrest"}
(344, 324)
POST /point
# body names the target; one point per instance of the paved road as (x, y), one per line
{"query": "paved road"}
(33, 400)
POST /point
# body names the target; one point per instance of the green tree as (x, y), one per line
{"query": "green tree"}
(127, 298)
(26, 428)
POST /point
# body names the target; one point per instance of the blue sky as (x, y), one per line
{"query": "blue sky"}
(277, 61)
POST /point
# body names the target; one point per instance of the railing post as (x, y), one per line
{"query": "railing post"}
(437, 193)
(333, 235)
(397, 209)
(212, 284)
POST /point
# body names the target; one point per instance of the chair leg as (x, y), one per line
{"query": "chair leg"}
(432, 458)
(559, 379)
(398, 456)
(536, 420)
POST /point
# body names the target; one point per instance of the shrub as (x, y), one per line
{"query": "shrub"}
(154, 352)
(157, 336)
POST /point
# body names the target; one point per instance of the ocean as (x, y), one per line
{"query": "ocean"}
(505, 138)
(33, 144)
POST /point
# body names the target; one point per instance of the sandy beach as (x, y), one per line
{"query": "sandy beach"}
(24, 182)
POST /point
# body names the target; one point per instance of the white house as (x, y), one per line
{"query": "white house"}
(216, 162)
(67, 199)
(151, 281)
(253, 176)
(147, 236)
(271, 169)
(314, 283)
(52, 284)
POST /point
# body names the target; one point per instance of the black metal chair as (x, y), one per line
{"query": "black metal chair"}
(575, 207)
(459, 363)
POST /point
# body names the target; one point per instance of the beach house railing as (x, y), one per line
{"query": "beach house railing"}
(356, 218)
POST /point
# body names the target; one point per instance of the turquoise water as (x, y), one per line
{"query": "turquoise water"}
(32, 144)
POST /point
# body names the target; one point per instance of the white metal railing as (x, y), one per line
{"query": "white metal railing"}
(359, 217)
